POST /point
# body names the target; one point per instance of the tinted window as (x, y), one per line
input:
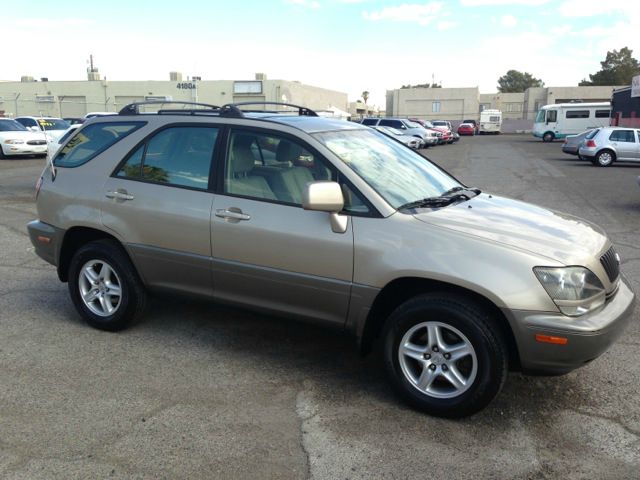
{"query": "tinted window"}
(369, 121)
(9, 125)
(93, 140)
(603, 113)
(67, 134)
(178, 156)
(393, 123)
(494, 118)
(53, 124)
(27, 122)
(577, 114)
(622, 136)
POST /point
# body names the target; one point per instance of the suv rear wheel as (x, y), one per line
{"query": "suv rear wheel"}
(105, 287)
(443, 356)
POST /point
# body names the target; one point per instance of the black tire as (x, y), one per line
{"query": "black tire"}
(133, 297)
(2, 154)
(548, 137)
(605, 158)
(470, 320)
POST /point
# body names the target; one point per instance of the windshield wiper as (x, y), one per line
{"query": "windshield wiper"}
(447, 198)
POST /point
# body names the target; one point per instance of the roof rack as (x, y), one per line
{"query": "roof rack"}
(233, 110)
(134, 108)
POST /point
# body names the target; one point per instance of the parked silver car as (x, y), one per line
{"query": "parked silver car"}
(332, 222)
(406, 126)
(610, 144)
(572, 143)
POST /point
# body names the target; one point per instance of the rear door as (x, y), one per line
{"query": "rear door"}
(624, 142)
(158, 201)
(268, 252)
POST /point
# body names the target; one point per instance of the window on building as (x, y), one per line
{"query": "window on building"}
(247, 87)
(485, 106)
(577, 114)
(435, 107)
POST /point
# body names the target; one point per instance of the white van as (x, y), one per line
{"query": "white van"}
(490, 121)
(562, 119)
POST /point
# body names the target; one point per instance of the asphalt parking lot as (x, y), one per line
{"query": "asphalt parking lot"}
(204, 391)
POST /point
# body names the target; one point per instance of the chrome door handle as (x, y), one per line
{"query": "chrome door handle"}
(232, 215)
(119, 194)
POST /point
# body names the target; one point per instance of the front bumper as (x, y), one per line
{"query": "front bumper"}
(587, 336)
(47, 240)
(23, 149)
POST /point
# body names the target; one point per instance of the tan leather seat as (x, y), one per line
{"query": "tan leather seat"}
(241, 180)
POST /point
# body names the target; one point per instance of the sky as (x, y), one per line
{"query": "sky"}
(345, 45)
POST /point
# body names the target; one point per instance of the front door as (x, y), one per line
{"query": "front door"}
(159, 203)
(268, 252)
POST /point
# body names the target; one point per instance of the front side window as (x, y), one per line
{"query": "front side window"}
(397, 173)
(92, 140)
(622, 136)
(179, 156)
(552, 116)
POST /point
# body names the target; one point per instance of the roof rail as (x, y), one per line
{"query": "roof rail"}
(233, 110)
(134, 108)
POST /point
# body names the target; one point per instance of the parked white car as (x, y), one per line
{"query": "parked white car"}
(53, 127)
(16, 140)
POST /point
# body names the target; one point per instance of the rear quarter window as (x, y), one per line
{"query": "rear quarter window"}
(90, 141)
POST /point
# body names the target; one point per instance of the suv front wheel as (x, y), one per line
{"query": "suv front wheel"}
(443, 355)
(105, 287)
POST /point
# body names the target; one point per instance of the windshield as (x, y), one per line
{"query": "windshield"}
(9, 125)
(397, 173)
(540, 117)
(53, 124)
(439, 123)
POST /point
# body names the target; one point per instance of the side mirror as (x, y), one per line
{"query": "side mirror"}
(33, 129)
(326, 196)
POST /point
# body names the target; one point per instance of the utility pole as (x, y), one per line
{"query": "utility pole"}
(15, 99)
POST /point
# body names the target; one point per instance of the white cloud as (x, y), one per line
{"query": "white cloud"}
(422, 14)
(490, 3)
(508, 21)
(593, 8)
(446, 25)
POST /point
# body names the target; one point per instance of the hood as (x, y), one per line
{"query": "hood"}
(22, 135)
(555, 235)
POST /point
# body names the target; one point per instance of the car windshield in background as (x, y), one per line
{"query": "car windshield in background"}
(53, 124)
(440, 124)
(397, 173)
(9, 125)
(592, 134)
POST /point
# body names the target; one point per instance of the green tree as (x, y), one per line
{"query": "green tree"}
(617, 69)
(516, 82)
(365, 96)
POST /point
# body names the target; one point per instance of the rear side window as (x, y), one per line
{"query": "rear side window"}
(92, 140)
(179, 156)
(602, 113)
(577, 114)
(622, 136)
(393, 123)
(369, 121)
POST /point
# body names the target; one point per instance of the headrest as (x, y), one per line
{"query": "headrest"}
(242, 159)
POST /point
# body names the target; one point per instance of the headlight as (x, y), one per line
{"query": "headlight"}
(13, 142)
(575, 290)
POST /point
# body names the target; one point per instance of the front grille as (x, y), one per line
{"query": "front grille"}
(611, 264)
(36, 142)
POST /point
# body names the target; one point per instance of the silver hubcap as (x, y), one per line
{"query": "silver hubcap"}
(438, 359)
(605, 158)
(100, 287)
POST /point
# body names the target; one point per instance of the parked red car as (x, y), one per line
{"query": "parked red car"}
(466, 129)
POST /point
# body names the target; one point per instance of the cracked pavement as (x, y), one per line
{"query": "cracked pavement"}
(203, 391)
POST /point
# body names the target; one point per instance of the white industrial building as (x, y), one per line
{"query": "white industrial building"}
(76, 98)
